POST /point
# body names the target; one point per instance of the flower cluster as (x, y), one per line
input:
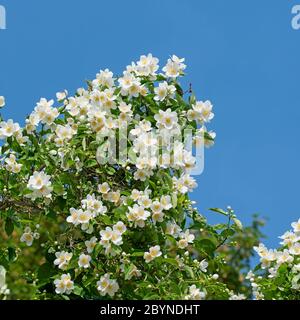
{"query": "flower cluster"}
(154, 252)
(282, 266)
(107, 286)
(40, 185)
(62, 259)
(195, 293)
(91, 207)
(64, 285)
(12, 165)
(28, 236)
(112, 235)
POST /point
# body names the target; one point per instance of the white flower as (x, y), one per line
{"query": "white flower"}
(116, 237)
(107, 286)
(93, 205)
(124, 107)
(203, 265)
(295, 249)
(146, 66)
(91, 244)
(45, 112)
(156, 207)
(173, 229)
(166, 202)
(104, 78)
(261, 249)
(296, 226)
(103, 188)
(142, 127)
(267, 257)
(145, 201)
(163, 91)
(205, 110)
(114, 197)
(3, 286)
(296, 282)
(185, 183)
(174, 67)
(112, 234)
(238, 296)
(61, 95)
(130, 85)
(8, 129)
(167, 119)
(106, 234)
(186, 238)
(40, 185)
(73, 218)
(119, 227)
(284, 257)
(154, 252)
(135, 194)
(63, 133)
(27, 237)
(62, 259)
(12, 165)
(64, 285)
(296, 268)
(141, 174)
(84, 216)
(2, 101)
(158, 217)
(195, 293)
(84, 261)
(289, 238)
(31, 122)
(250, 275)
(138, 215)
(272, 272)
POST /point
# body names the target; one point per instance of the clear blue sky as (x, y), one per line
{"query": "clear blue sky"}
(243, 55)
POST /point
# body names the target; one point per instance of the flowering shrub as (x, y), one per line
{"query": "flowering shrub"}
(278, 275)
(94, 195)
(123, 228)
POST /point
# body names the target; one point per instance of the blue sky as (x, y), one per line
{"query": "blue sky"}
(242, 55)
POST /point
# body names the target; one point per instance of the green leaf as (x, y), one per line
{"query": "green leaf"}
(227, 233)
(9, 226)
(61, 202)
(206, 245)
(128, 269)
(45, 272)
(78, 290)
(219, 211)
(170, 261)
(58, 188)
(106, 220)
(11, 254)
(189, 270)
(138, 254)
(110, 170)
(120, 212)
(91, 163)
